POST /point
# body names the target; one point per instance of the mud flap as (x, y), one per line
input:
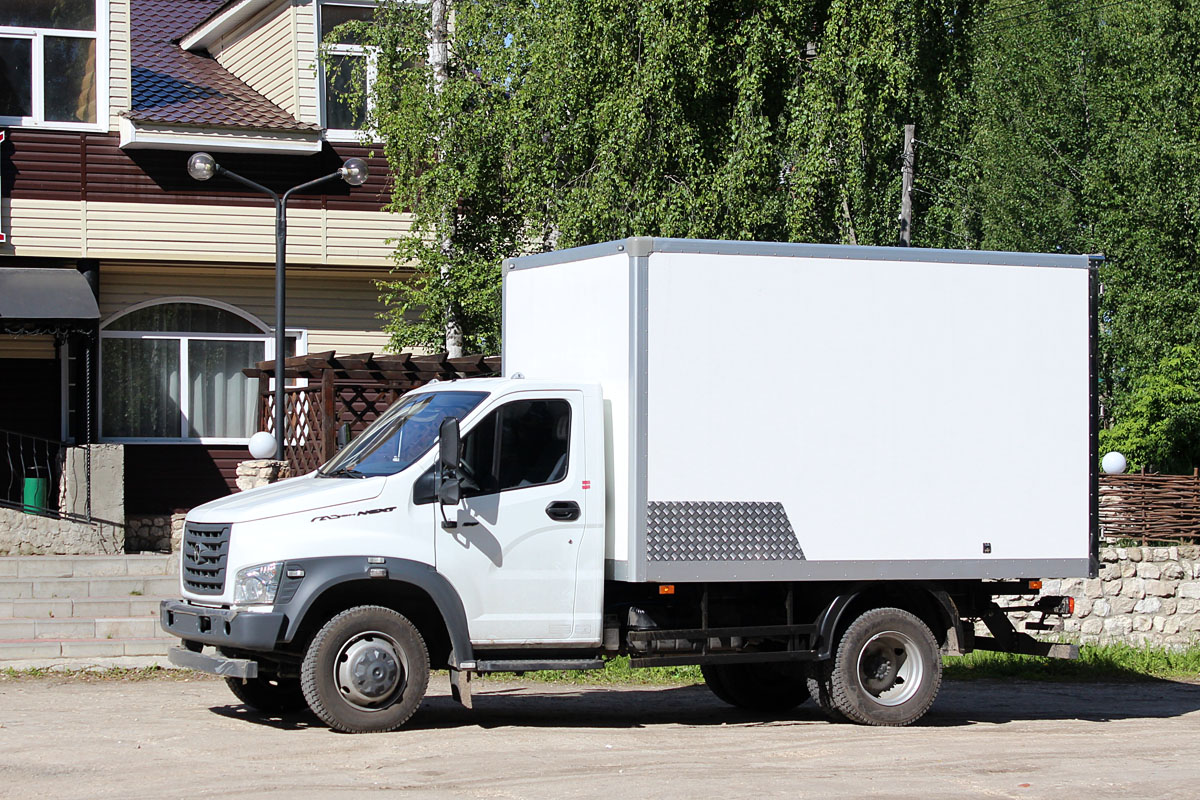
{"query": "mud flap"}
(460, 687)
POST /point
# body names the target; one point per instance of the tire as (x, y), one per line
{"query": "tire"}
(269, 695)
(770, 687)
(366, 671)
(887, 669)
(820, 690)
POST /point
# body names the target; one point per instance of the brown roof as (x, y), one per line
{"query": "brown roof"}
(172, 86)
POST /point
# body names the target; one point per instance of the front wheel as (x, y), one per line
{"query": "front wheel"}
(366, 670)
(887, 669)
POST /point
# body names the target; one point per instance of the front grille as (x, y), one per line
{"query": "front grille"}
(205, 550)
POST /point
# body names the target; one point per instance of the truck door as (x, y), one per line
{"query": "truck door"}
(513, 551)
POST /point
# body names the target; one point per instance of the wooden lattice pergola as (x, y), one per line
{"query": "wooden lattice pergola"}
(352, 389)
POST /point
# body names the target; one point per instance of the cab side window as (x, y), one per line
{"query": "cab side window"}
(522, 443)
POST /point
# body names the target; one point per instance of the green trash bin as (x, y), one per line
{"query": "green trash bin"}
(37, 487)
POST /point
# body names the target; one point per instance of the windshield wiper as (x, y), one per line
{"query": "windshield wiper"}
(349, 472)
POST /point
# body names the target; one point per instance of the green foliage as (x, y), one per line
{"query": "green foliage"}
(566, 122)
(1158, 423)
(448, 152)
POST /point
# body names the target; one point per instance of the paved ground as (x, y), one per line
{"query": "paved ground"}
(64, 739)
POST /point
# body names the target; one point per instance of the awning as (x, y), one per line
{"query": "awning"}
(45, 294)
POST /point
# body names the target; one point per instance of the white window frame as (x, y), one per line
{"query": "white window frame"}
(184, 337)
(343, 134)
(38, 73)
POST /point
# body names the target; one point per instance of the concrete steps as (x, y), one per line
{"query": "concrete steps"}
(84, 607)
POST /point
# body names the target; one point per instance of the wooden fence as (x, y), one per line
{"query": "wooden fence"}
(351, 390)
(1150, 508)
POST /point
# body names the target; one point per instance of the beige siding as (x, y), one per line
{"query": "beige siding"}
(263, 54)
(118, 60)
(164, 231)
(27, 347)
(304, 18)
(43, 227)
(338, 310)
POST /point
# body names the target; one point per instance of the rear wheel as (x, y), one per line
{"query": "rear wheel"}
(269, 695)
(770, 687)
(887, 669)
(366, 670)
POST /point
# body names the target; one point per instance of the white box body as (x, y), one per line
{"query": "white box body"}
(818, 412)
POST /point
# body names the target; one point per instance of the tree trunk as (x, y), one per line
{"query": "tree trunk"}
(439, 64)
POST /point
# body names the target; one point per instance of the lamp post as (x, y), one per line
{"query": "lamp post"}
(353, 171)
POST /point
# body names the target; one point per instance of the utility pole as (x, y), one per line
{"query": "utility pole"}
(906, 185)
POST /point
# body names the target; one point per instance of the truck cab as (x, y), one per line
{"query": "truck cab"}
(517, 563)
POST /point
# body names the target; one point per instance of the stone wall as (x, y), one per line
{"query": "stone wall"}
(156, 533)
(29, 535)
(259, 472)
(1143, 596)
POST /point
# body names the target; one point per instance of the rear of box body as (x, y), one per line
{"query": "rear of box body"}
(808, 412)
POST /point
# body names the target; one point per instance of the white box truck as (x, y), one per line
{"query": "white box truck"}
(809, 469)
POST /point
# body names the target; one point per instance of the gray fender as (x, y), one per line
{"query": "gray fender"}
(297, 595)
(831, 618)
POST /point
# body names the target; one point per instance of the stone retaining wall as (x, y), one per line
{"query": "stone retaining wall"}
(30, 535)
(259, 472)
(1143, 596)
(156, 533)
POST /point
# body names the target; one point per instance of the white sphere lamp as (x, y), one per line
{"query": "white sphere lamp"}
(262, 445)
(1113, 463)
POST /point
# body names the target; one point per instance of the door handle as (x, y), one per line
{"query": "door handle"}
(563, 511)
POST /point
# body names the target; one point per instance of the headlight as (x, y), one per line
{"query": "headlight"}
(257, 584)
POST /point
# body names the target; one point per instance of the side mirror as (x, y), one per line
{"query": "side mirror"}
(449, 490)
(448, 445)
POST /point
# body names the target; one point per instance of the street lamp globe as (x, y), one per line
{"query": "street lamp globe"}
(262, 445)
(1113, 463)
(354, 171)
(201, 166)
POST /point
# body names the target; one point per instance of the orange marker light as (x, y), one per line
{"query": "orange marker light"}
(666, 588)
(1035, 585)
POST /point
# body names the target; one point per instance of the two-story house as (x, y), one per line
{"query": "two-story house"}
(132, 294)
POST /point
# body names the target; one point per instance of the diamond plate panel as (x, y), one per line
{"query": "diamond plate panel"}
(692, 531)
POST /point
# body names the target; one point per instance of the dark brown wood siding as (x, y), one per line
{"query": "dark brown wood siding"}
(43, 165)
(161, 478)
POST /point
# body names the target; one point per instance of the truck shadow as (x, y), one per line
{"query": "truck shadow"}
(960, 703)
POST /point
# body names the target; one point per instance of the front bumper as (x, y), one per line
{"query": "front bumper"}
(214, 665)
(222, 627)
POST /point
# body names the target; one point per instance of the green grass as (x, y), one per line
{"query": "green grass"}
(616, 672)
(1096, 663)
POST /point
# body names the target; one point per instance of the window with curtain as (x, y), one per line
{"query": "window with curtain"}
(344, 53)
(174, 371)
(48, 67)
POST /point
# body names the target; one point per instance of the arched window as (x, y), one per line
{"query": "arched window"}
(172, 369)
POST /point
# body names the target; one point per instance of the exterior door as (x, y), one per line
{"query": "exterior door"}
(513, 552)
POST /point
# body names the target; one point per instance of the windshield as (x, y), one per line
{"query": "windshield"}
(403, 434)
